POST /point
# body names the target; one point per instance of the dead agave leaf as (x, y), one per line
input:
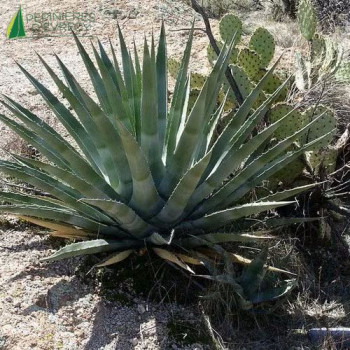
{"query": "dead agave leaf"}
(67, 229)
(165, 254)
(66, 235)
(115, 258)
(189, 259)
(242, 260)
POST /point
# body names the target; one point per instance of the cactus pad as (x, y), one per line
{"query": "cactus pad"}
(212, 56)
(307, 19)
(325, 159)
(197, 81)
(287, 175)
(294, 122)
(250, 62)
(272, 84)
(244, 84)
(327, 123)
(318, 48)
(194, 93)
(229, 26)
(173, 67)
(263, 44)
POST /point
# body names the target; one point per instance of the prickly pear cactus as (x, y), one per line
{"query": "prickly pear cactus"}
(244, 84)
(307, 19)
(194, 93)
(263, 43)
(250, 62)
(272, 84)
(173, 67)
(294, 122)
(323, 159)
(212, 56)
(197, 81)
(229, 26)
(318, 48)
(326, 124)
(287, 175)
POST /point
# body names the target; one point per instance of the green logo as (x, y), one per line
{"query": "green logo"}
(15, 28)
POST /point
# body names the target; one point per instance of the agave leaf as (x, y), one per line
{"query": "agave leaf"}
(61, 215)
(273, 293)
(230, 162)
(145, 197)
(76, 236)
(51, 142)
(66, 194)
(227, 194)
(68, 120)
(174, 116)
(96, 79)
(115, 258)
(34, 140)
(31, 199)
(83, 115)
(110, 68)
(177, 202)
(189, 259)
(162, 85)
(161, 239)
(65, 176)
(254, 273)
(238, 118)
(149, 116)
(67, 229)
(123, 214)
(269, 170)
(115, 100)
(89, 247)
(278, 196)
(215, 238)
(242, 260)
(128, 73)
(165, 254)
(117, 166)
(221, 218)
(187, 146)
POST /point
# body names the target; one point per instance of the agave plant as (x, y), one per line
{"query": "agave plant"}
(144, 173)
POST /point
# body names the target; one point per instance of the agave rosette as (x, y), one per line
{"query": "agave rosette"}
(147, 172)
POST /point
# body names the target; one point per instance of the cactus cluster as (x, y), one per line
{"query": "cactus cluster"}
(307, 19)
(324, 156)
(249, 64)
(325, 57)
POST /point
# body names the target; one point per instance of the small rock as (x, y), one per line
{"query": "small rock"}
(141, 309)
(134, 341)
(197, 346)
(2, 342)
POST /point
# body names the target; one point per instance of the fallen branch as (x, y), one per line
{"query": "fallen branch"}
(215, 47)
